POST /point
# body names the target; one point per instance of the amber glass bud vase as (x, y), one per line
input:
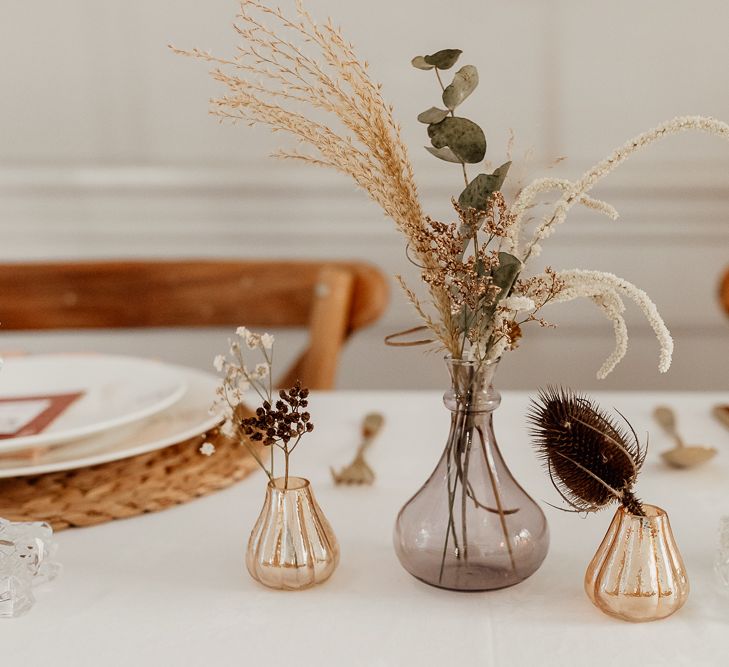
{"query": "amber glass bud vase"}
(471, 527)
(637, 573)
(292, 545)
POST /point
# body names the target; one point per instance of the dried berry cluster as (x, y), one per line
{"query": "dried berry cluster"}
(283, 421)
(466, 280)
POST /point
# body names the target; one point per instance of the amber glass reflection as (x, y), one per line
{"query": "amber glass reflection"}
(292, 545)
(637, 573)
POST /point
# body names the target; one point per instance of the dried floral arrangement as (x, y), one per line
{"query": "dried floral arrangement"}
(290, 70)
(592, 459)
(280, 421)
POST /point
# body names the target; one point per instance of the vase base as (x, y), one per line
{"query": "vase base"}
(474, 579)
(634, 617)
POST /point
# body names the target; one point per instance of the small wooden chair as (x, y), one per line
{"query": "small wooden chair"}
(332, 299)
(724, 292)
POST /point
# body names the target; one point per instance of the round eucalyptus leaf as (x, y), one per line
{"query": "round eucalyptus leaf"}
(444, 59)
(432, 115)
(462, 136)
(420, 63)
(464, 83)
(478, 191)
(444, 153)
(505, 274)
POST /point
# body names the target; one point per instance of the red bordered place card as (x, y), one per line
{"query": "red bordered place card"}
(30, 415)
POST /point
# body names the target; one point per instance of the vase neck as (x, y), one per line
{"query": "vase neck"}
(653, 518)
(472, 387)
(297, 486)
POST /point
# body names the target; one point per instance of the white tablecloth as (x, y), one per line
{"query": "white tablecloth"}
(171, 588)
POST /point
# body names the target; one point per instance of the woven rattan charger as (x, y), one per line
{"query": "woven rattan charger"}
(120, 489)
(331, 299)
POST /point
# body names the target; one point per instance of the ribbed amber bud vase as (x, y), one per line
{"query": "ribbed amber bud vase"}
(292, 545)
(637, 573)
(471, 527)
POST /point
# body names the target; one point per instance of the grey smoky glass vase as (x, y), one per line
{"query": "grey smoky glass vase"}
(471, 527)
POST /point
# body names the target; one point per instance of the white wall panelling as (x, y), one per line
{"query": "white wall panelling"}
(107, 150)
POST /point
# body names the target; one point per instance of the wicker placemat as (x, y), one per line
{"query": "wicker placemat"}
(121, 489)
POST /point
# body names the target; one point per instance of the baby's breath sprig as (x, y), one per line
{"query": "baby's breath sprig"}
(278, 423)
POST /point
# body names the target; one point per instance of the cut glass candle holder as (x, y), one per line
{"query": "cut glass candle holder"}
(26, 561)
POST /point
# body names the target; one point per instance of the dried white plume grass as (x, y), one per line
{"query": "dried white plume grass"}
(304, 79)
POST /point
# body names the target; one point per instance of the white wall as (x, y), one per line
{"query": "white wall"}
(107, 150)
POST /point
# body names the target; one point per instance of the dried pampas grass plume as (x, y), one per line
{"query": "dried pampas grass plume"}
(591, 459)
(304, 79)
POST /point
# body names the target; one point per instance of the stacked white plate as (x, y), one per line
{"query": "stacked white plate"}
(125, 407)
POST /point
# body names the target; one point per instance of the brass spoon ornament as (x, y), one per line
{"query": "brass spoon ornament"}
(682, 455)
(359, 472)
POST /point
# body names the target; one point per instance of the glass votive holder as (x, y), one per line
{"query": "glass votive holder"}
(721, 558)
(26, 551)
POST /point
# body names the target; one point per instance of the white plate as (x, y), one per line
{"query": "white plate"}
(116, 391)
(187, 418)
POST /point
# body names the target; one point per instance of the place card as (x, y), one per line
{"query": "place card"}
(30, 415)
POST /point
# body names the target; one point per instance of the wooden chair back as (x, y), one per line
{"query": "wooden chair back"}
(332, 299)
(724, 292)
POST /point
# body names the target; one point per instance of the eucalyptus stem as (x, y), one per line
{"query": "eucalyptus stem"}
(440, 81)
(464, 441)
(453, 114)
(450, 527)
(464, 496)
(452, 499)
(497, 497)
(459, 444)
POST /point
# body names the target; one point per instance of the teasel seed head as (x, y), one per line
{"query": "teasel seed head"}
(591, 459)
